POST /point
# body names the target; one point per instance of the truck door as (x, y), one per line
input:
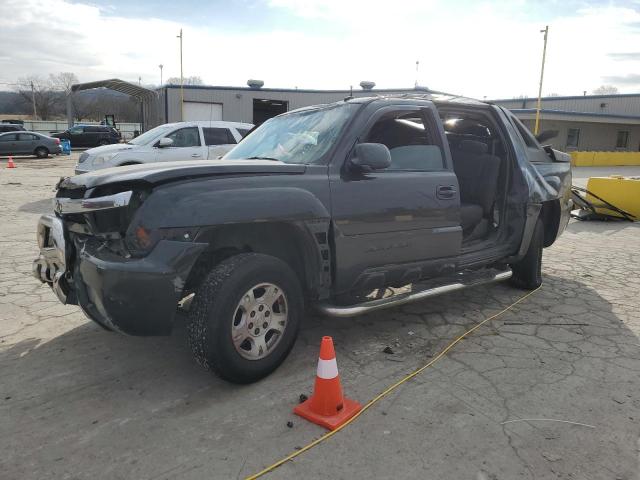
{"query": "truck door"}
(401, 222)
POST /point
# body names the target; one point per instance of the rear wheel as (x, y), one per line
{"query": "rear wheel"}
(41, 152)
(527, 273)
(245, 317)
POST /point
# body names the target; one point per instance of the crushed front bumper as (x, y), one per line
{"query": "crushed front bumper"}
(136, 296)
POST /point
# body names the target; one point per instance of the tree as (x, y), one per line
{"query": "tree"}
(42, 92)
(606, 90)
(194, 80)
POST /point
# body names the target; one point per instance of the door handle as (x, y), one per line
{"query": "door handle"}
(446, 192)
(195, 155)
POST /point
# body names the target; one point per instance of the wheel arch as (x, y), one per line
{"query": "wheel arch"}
(303, 245)
(550, 215)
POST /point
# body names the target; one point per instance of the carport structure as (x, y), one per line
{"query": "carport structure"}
(144, 95)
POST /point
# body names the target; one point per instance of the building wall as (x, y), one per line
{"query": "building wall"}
(593, 136)
(611, 104)
(237, 104)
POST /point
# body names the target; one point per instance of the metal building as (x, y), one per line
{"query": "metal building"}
(251, 104)
(587, 123)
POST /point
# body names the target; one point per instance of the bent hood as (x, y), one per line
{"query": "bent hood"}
(154, 173)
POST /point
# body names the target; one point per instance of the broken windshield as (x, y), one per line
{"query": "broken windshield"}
(301, 137)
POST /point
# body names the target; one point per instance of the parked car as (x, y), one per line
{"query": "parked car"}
(11, 127)
(317, 207)
(28, 143)
(89, 135)
(173, 141)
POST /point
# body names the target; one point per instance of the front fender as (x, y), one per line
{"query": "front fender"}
(187, 205)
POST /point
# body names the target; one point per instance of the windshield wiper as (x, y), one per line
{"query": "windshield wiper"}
(264, 158)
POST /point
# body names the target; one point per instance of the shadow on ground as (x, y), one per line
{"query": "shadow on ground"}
(94, 403)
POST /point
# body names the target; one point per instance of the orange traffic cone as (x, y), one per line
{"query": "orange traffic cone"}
(327, 407)
(10, 163)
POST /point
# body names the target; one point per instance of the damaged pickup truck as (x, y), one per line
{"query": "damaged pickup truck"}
(322, 207)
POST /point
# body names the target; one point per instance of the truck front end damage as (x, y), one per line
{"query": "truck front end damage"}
(128, 281)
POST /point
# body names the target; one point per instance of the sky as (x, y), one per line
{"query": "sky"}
(490, 48)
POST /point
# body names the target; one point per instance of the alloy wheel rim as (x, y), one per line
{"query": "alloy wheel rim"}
(259, 321)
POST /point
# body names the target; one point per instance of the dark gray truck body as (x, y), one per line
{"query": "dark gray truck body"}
(341, 231)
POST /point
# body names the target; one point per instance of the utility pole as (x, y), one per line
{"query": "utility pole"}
(33, 101)
(181, 81)
(160, 66)
(544, 55)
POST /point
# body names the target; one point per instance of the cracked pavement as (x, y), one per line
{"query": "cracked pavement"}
(78, 402)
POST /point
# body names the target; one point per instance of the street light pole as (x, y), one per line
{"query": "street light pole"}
(544, 55)
(160, 66)
(181, 81)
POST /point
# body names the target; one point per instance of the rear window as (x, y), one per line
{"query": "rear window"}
(218, 136)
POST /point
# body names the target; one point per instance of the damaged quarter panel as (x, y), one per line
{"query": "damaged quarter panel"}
(547, 182)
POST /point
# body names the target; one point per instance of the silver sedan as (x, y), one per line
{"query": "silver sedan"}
(28, 143)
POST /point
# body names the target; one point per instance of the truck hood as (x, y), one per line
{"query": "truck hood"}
(154, 173)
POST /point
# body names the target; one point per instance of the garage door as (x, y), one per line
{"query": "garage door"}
(202, 111)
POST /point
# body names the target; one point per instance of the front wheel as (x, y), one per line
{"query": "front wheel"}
(245, 317)
(527, 273)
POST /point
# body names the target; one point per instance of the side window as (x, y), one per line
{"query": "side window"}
(185, 137)
(411, 141)
(26, 137)
(526, 135)
(217, 136)
(243, 131)
(11, 137)
(75, 130)
(573, 137)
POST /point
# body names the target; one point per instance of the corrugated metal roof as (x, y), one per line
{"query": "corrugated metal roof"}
(118, 85)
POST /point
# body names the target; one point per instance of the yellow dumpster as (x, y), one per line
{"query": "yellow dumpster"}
(621, 192)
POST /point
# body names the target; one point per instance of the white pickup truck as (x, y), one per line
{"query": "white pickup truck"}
(198, 140)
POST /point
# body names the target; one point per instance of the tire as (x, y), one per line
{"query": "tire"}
(218, 315)
(41, 152)
(527, 273)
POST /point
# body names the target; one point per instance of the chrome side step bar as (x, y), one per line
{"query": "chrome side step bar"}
(401, 299)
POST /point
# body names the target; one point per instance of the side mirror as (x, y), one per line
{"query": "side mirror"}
(165, 142)
(546, 135)
(371, 156)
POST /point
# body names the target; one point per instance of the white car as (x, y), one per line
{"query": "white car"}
(167, 143)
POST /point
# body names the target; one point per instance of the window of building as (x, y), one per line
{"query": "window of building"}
(622, 141)
(573, 137)
(217, 136)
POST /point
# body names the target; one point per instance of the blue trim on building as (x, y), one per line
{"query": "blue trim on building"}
(569, 97)
(577, 114)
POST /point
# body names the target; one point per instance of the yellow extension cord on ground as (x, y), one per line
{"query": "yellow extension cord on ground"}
(390, 389)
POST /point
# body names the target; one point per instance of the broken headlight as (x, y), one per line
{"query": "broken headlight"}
(140, 240)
